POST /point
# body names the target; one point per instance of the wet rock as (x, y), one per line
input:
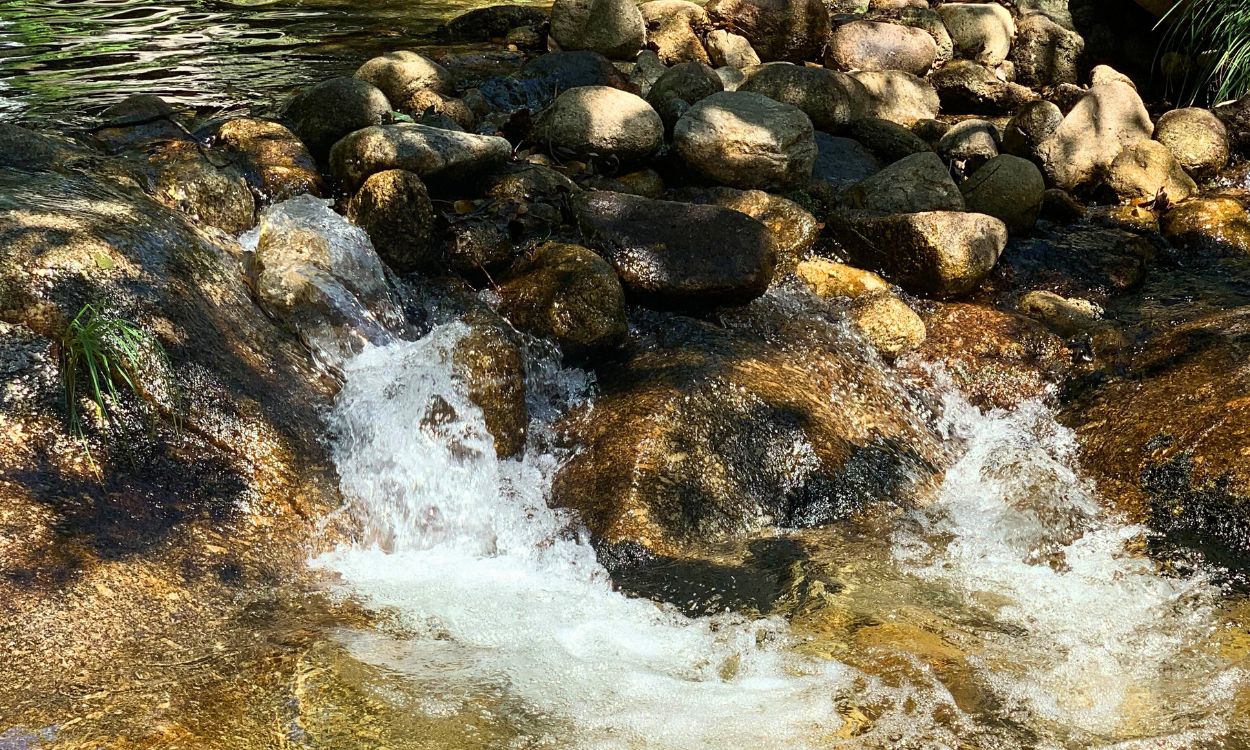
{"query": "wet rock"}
(425, 105)
(25, 149)
(394, 209)
(137, 121)
(969, 144)
(402, 73)
(1146, 171)
(793, 227)
(680, 88)
(1187, 477)
(746, 140)
(670, 254)
(601, 122)
(432, 153)
(1084, 261)
(1060, 207)
(887, 323)
(967, 87)
(941, 254)
(1236, 119)
(786, 30)
(887, 139)
(920, 182)
(489, 363)
(568, 294)
(842, 162)
(1066, 316)
(1109, 118)
(479, 244)
(181, 175)
(1197, 139)
(327, 112)
(495, 21)
(710, 434)
(980, 32)
(675, 29)
(1218, 226)
(871, 45)
(729, 49)
(1008, 188)
(831, 99)
(529, 200)
(319, 276)
(274, 161)
(997, 359)
(827, 278)
(1045, 53)
(1029, 128)
(645, 182)
(897, 96)
(613, 28)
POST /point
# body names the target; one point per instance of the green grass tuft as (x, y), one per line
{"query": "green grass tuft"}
(1214, 36)
(99, 353)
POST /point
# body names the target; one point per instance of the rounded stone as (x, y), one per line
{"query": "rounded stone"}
(600, 121)
(1008, 188)
(744, 139)
(613, 28)
(323, 114)
(401, 74)
(394, 209)
(831, 99)
(674, 30)
(1196, 137)
(873, 45)
(980, 31)
(1147, 171)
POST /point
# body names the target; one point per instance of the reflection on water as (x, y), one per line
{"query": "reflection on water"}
(71, 58)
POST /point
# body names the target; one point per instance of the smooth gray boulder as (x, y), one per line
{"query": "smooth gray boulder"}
(1008, 188)
(401, 74)
(600, 121)
(1108, 119)
(613, 28)
(897, 96)
(432, 153)
(831, 99)
(873, 45)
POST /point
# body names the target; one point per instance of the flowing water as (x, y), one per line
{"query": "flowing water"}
(67, 59)
(1013, 612)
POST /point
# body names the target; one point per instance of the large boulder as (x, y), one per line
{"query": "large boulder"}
(831, 99)
(920, 182)
(675, 29)
(712, 433)
(670, 254)
(432, 153)
(394, 209)
(897, 96)
(941, 254)
(872, 45)
(613, 28)
(679, 88)
(137, 121)
(981, 31)
(1197, 138)
(1109, 118)
(1166, 438)
(275, 163)
(967, 87)
(1147, 171)
(569, 295)
(324, 113)
(402, 73)
(600, 121)
(1045, 53)
(746, 140)
(779, 30)
(1008, 188)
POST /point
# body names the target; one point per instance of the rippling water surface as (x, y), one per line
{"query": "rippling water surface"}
(67, 59)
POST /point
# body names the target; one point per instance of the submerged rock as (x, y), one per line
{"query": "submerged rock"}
(432, 153)
(181, 175)
(568, 294)
(746, 140)
(1215, 227)
(710, 433)
(489, 362)
(681, 255)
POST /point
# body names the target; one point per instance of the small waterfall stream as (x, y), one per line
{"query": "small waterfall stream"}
(501, 599)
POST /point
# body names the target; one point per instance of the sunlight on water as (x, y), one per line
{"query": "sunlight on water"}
(500, 600)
